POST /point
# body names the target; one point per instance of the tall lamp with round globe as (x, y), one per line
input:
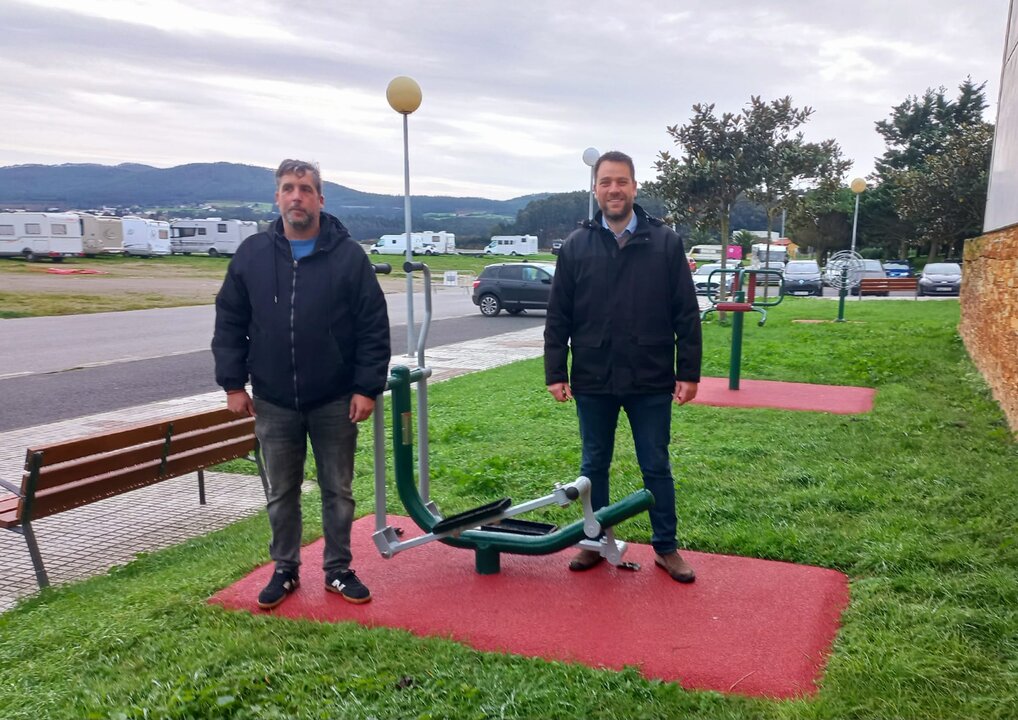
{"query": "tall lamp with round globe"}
(590, 156)
(404, 96)
(858, 186)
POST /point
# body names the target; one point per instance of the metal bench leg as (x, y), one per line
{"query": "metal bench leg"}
(33, 551)
(201, 486)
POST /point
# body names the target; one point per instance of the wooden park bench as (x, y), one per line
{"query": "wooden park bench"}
(882, 286)
(70, 474)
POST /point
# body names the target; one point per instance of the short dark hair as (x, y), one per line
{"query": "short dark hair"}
(300, 168)
(619, 157)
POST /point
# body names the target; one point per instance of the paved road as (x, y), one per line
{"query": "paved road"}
(51, 344)
(78, 371)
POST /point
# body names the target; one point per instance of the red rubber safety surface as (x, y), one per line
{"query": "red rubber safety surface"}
(838, 399)
(746, 626)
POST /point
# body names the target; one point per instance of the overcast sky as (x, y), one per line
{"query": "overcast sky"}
(513, 91)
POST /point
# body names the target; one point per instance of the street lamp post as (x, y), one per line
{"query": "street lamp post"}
(404, 96)
(590, 156)
(858, 186)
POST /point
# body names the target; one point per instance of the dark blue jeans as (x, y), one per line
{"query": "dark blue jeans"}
(650, 417)
(283, 435)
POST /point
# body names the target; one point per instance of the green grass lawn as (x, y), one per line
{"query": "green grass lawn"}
(913, 501)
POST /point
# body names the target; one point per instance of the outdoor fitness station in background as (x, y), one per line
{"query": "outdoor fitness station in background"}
(490, 529)
(744, 301)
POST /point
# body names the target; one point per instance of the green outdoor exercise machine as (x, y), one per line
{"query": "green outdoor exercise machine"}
(493, 528)
(744, 301)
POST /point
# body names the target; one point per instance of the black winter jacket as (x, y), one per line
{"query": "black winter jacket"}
(629, 317)
(306, 332)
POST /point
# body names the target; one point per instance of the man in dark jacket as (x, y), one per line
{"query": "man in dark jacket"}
(302, 315)
(623, 303)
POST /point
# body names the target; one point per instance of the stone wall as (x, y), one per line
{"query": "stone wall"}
(989, 314)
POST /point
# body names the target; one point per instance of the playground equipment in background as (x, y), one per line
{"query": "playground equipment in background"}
(744, 301)
(844, 271)
(490, 529)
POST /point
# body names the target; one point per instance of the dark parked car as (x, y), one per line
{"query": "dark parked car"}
(940, 279)
(513, 286)
(898, 268)
(802, 277)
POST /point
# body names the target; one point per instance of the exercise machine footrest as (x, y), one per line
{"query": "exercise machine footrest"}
(472, 518)
(521, 527)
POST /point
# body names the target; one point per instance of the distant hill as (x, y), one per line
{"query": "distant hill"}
(80, 186)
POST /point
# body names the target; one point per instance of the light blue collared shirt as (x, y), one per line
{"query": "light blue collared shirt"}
(631, 227)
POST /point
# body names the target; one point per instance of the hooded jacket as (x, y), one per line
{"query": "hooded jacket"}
(628, 316)
(306, 332)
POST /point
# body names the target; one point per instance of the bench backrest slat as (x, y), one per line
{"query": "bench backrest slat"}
(134, 435)
(888, 283)
(77, 472)
(82, 492)
(53, 475)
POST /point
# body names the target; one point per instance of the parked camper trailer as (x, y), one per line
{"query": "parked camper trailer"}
(146, 237)
(444, 242)
(214, 236)
(101, 234)
(512, 245)
(396, 245)
(40, 235)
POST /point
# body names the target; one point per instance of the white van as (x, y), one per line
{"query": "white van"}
(101, 234)
(705, 253)
(396, 245)
(214, 236)
(35, 235)
(146, 237)
(512, 245)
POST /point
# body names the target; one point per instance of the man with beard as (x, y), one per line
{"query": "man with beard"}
(623, 304)
(302, 315)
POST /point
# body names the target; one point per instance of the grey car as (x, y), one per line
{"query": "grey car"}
(940, 279)
(802, 277)
(514, 287)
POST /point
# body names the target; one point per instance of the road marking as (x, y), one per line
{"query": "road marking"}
(101, 363)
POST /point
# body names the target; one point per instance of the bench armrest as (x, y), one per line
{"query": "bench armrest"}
(16, 489)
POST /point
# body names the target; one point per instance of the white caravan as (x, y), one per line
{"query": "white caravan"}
(444, 242)
(146, 237)
(40, 235)
(101, 234)
(512, 245)
(214, 236)
(396, 245)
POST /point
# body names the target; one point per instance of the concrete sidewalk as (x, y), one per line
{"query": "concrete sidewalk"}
(90, 540)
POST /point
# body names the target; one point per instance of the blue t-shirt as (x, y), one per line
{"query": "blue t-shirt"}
(302, 248)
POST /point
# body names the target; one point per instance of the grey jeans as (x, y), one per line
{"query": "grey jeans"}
(283, 434)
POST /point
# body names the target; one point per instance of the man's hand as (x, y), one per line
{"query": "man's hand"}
(684, 392)
(560, 391)
(361, 407)
(239, 403)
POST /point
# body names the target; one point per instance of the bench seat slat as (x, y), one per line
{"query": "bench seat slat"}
(9, 512)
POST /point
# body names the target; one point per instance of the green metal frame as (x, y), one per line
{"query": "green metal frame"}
(739, 295)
